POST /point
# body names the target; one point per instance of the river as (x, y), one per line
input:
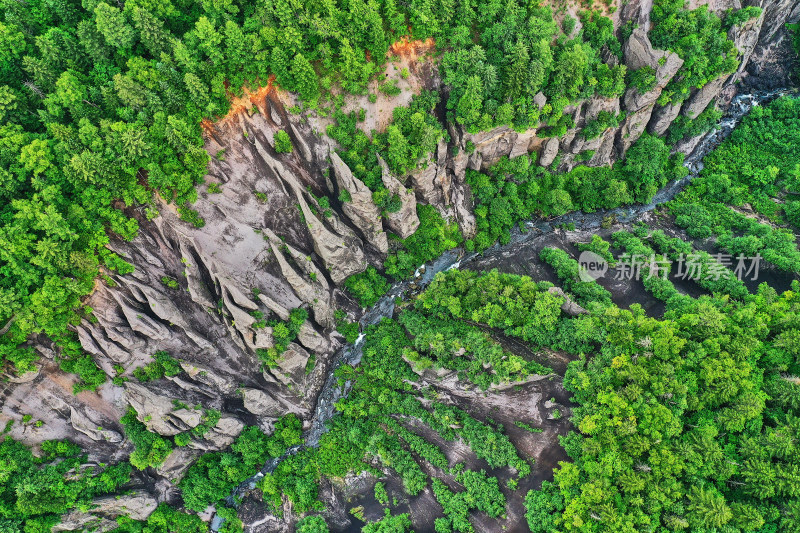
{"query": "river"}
(351, 354)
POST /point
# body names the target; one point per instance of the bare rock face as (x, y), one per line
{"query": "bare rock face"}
(338, 247)
(443, 178)
(462, 204)
(158, 413)
(260, 403)
(177, 463)
(639, 53)
(138, 505)
(88, 427)
(220, 436)
(745, 37)
(662, 118)
(698, 102)
(772, 63)
(637, 12)
(587, 113)
(195, 293)
(208, 377)
(311, 290)
(493, 144)
(360, 209)
(312, 339)
(291, 368)
(162, 415)
(405, 221)
(603, 154)
(632, 128)
(549, 152)
(78, 521)
(424, 181)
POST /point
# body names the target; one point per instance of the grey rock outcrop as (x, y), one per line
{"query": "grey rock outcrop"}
(662, 118)
(698, 102)
(138, 505)
(639, 53)
(424, 183)
(569, 306)
(405, 221)
(313, 292)
(85, 425)
(360, 209)
(291, 368)
(177, 463)
(341, 250)
(549, 152)
(745, 37)
(260, 403)
(158, 413)
(208, 377)
(493, 144)
(220, 436)
(632, 128)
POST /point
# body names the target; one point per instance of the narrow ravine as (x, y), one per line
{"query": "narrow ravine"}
(351, 354)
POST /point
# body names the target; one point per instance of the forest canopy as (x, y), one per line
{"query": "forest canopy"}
(101, 105)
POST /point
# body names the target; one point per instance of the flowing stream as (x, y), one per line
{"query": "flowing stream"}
(351, 354)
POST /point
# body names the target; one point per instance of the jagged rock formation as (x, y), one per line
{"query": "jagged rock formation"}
(268, 247)
(81, 422)
(360, 209)
(137, 505)
(403, 222)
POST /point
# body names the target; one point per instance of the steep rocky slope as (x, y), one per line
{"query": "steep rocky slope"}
(268, 246)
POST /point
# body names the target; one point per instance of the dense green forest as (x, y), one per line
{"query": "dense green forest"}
(102, 104)
(689, 421)
(36, 491)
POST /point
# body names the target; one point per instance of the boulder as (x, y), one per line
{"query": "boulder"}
(260, 403)
(569, 306)
(311, 339)
(291, 368)
(177, 463)
(540, 100)
(549, 152)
